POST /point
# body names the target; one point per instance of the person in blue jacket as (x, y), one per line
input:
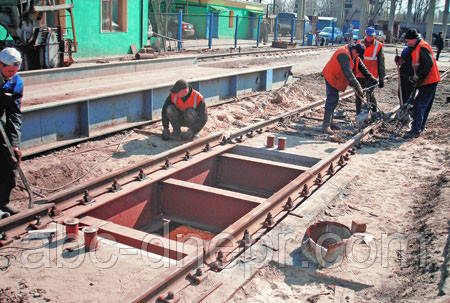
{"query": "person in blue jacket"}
(11, 92)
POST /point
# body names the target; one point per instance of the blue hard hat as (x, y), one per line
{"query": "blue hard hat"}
(370, 31)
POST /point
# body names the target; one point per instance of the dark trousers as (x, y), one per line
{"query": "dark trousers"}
(7, 183)
(422, 106)
(438, 53)
(332, 97)
(189, 118)
(370, 96)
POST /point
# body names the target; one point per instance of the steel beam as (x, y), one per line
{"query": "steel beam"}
(85, 114)
(204, 204)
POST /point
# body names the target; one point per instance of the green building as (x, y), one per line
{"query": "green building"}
(223, 17)
(109, 27)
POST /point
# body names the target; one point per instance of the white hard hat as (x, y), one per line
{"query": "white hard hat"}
(10, 56)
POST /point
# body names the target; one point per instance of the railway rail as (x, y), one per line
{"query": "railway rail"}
(175, 188)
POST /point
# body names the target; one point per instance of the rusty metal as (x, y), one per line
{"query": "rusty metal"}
(87, 198)
(268, 222)
(324, 242)
(187, 156)
(289, 204)
(305, 191)
(115, 187)
(141, 176)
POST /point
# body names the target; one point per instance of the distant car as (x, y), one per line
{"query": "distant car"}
(380, 36)
(327, 32)
(355, 33)
(188, 30)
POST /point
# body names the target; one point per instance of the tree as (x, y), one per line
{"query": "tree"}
(390, 31)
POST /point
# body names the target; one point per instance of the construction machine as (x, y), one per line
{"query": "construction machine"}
(42, 30)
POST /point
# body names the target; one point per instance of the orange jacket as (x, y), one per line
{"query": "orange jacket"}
(433, 76)
(370, 57)
(194, 99)
(333, 72)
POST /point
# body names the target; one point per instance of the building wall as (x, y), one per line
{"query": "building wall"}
(197, 15)
(92, 42)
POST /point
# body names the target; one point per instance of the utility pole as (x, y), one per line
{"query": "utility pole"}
(390, 32)
(340, 12)
(430, 21)
(364, 17)
(300, 23)
(445, 20)
(409, 13)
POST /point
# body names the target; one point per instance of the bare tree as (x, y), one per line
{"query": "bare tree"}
(445, 20)
(430, 21)
(161, 9)
(409, 13)
(390, 31)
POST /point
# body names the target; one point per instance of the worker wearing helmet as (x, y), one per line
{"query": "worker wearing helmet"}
(11, 92)
(374, 61)
(340, 72)
(183, 107)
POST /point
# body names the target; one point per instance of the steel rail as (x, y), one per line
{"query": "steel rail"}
(65, 199)
(271, 51)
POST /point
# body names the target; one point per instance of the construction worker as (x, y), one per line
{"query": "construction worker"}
(425, 79)
(439, 42)
(374, 61)
(183, 107)
(11, 92)
(340, 72)
(406, 71)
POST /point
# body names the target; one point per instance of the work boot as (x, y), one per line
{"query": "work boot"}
(176, 132)
(187, 135)
(327, 117)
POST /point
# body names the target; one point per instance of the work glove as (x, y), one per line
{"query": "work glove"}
(165, 134)
(381, 83)
(18, 154)
(398, 60)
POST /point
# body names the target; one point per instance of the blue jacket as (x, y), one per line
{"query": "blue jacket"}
(11, 93)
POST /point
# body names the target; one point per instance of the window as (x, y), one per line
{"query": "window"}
(114, 15)
(231, 20)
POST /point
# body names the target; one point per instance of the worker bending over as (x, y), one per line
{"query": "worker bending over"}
(425, 79)
(374, 61)
(340, 72)
(11, 92)
(183, 107)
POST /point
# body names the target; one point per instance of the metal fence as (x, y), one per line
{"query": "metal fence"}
(177, 31)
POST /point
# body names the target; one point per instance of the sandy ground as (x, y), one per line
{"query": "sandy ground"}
(401, 187)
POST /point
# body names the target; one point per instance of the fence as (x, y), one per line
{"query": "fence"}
(219, 30)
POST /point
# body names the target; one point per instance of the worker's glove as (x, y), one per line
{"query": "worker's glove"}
(165, 134)
(398, 60)
(17, 154)
(373, 81)
(381, 83)
(414, 79)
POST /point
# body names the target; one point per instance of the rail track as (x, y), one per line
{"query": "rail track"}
(174, 187)
(264, 53)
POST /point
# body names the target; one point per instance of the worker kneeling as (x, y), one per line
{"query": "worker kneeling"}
(340, 72)
(183, 107)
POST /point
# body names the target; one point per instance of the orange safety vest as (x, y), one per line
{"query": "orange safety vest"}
(194, 99)
(370, 57)
(333, 72)
(433, 76)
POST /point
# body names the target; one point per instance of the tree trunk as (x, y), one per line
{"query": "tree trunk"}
(363, 18)
(390, 32)
(300, 22)
(430, 21)
(445, 20)
(409, 14)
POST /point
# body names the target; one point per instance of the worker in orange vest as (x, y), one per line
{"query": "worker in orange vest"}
(183, 107)
(340, 72)
(425, 79)
(374, 61)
